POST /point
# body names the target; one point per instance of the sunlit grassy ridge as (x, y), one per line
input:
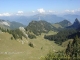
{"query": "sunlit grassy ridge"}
(20, 49)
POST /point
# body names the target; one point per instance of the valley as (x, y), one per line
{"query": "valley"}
(38, 40)
(16, 49)
(39, 29)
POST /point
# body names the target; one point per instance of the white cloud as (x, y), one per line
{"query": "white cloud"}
(33, 11)
(5, 14)
(17, 14)
(20, 12)
(78, 9)
(51, 11)
(41, 10)
(67, 10)
(70, 11)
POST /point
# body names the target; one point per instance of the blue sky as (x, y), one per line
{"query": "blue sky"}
(20, 7)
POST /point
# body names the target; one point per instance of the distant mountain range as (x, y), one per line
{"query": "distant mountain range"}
(27, 19)
(47, 17)
(40, 25)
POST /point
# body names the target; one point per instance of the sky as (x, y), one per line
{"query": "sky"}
(28, 7)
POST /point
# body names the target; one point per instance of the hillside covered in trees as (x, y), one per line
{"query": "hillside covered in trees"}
(65, 34)
(61, 36)
(38, 27)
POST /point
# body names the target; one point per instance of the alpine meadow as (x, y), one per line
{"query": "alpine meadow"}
(39, 30)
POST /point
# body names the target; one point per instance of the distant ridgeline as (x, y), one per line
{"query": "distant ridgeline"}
(10, 25)
(68, 33)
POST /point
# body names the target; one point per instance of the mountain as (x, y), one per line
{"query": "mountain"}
(38, 27)
(27, 19)
(52, 18)
(10, 25)
(63, 24)
(15, 25)
(47, 17)
(4, 24)
(21, 19)
(71, 17)
(68, 33)
(76, 24)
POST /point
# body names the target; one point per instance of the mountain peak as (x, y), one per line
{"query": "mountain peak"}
(38, 27)
(76, 21)
(65, 23)
(76, 24)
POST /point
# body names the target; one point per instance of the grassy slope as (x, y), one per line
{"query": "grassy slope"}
(57, 25)
(64, 44)
(16, 50)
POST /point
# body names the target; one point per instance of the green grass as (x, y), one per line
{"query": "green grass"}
(17, 50)
(64, 44)
(57, 25)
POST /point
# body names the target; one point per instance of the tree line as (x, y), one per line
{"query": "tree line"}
(61, 36)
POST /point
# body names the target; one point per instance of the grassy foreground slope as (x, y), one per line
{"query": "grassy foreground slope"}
(20, 50)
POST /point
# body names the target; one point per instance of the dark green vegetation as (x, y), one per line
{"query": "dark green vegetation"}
(73, 48)
(61, 36)
(38, 27)
(31, 44)
(72, 51)
(64, 23)
(65, 34)
(31, 36)
(17, 34)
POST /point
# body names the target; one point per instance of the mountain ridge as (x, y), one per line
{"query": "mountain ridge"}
(52, 18)
(38, 27)
(64, 23)
(10, 25)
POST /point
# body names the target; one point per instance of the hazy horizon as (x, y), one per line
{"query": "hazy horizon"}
(31, 7)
